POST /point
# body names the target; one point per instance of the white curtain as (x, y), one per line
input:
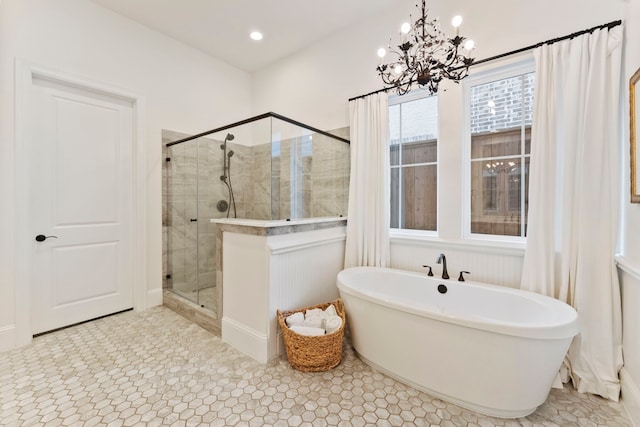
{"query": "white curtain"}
(573, 199)
(368, 214)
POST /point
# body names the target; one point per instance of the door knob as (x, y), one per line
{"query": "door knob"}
(42, 237)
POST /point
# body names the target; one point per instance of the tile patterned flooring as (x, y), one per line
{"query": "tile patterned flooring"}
(156, 368)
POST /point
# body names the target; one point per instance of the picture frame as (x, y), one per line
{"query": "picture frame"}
(634, 122)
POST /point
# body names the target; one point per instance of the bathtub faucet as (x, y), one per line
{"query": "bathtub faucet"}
(443, 260)
(430, 273)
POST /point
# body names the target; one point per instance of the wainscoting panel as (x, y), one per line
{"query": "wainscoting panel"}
(485, 263)
(304, 274)
(629, 274)
(308, 276)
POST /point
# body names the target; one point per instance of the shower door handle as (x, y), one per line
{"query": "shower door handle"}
(42, 237)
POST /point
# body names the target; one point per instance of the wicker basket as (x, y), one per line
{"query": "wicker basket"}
(313, 354)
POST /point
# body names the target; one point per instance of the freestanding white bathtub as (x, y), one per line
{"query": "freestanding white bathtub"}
(491, 349)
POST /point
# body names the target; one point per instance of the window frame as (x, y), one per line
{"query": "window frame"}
(395, 99)
(487, 76)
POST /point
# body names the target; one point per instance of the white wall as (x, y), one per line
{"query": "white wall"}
(629, 270)
(184, 90)
(631, 245)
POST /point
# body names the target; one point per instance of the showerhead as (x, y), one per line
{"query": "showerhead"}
(230, 153)
(229, 137)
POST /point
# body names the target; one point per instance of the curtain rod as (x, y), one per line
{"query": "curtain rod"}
(513, 52)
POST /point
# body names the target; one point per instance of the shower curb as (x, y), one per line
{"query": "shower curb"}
(190, 311)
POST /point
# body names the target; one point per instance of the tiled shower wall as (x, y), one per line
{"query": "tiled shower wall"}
(262, 184)
(310, 186)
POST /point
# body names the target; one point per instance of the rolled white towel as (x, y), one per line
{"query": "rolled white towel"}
(333, 323)
(314, 322)
(308, 331)
(314, 312)
(296, 319)
(330, 311)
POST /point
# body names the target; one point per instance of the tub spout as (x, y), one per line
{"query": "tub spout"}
(443, 260)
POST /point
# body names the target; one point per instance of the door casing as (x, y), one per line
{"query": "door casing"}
(25, 73)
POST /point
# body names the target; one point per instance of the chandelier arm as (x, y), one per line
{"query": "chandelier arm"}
(457, 74)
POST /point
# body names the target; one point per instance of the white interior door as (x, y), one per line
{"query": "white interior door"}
(80, 191)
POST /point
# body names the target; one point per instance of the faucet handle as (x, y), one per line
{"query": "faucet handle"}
(461, 277)
(430, 273)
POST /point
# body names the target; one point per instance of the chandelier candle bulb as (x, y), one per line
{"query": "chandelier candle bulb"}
(381, 53)
(404, 29)
(456, 22)
(469, 45)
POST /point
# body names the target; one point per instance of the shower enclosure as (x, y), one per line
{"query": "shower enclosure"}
(268, 167)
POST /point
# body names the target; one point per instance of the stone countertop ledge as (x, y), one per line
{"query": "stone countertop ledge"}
(276, 227)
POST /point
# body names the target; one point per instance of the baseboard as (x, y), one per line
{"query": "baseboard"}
(154, 297)
(7, 338)
(10, 338)
(281, 349)
(630, 396)
(247, 340)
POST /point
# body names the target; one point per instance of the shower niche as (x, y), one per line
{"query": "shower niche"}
(268, 167)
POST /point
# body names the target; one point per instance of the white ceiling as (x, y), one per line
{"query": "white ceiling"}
(221, 27)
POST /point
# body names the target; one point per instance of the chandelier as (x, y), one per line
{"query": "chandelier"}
(426, 56)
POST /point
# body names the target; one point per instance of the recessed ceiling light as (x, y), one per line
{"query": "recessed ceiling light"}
(256, 35)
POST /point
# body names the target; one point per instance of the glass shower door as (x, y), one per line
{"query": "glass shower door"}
(182, 206)
(193, 190)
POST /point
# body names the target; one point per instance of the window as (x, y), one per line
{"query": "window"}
(413, 125)
(500, 112)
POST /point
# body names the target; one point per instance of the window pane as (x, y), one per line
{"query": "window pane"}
(526, 194)
(500, 128)
(420, 152)
(496, 196)
(502, 104)
(419, 197)
(419, 120)
(394, 131)
(414, 133)
(395, 198)
(490, 192)
(394, 122)
(394, 154)
(500, 144)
